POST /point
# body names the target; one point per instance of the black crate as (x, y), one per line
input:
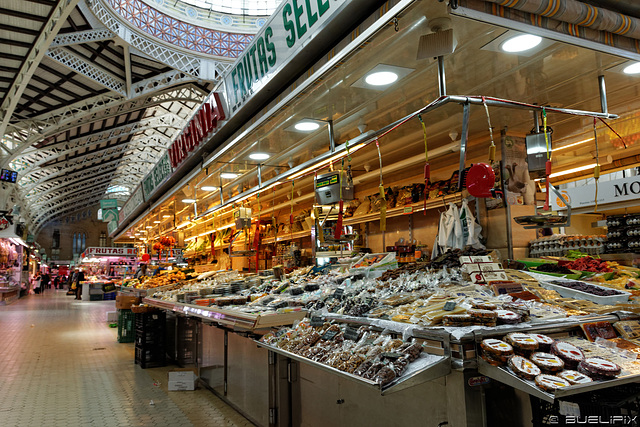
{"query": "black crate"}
(186, 342)
(150, 358)
(621, 401)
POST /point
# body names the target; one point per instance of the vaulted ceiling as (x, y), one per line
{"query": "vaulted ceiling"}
(89, 98)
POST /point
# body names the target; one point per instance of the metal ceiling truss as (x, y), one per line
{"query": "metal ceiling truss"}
(89, 36)
(55, 184)
(82, 174)
(93, 72)
(96, 192)
(60, 211)
(51, 152)
(48, 197)
(68, 120)
(57, 18)
(200, 67)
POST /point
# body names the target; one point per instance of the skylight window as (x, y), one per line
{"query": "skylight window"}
(241, 7)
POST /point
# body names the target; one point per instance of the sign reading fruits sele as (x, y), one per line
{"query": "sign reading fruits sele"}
(286, 32)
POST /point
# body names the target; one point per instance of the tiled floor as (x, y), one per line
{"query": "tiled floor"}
(60, 365)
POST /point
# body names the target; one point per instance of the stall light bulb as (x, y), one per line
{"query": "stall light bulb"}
(632, 69)
(381, 78)
(228, 175)
(208, 188)
(188, 200)
(260, 156)
(521, 43)
(307, 126)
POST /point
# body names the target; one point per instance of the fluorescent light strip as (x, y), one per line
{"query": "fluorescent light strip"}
(326, 162)
(568, 171)
(573, 144)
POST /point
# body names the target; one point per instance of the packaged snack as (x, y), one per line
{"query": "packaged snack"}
(497, 349)
(598, 329)
(524, 367)
(507, 317)
(599, 367)
(544, 342)
(457, 320)
(384, 375)
(574, 377)
(550, 382)
(629, 329)
(547, 362)
(521, 342)
(569, 353)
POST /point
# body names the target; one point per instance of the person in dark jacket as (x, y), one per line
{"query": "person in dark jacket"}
(78, 279)
(46, 280)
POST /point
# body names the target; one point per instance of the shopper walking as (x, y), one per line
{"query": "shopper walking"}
(37, 281)
(45, 281)
(79, 278)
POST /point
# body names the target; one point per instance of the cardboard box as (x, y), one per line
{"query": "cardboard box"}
(124, 302)
(182, 380)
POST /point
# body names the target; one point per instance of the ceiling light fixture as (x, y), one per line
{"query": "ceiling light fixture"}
(188, 200)
(148, 226)
(632, 68)
(167, 216)
(208, 188)
(306, 126)
(381, 78)
(260, 156)
(521, 43)
(156, 222)
(228, 175)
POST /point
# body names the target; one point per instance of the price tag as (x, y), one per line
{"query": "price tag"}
(317, 321)
(569, 408)
(407, 210)
(329, 335)
(392, 355)
(351, 333)
(280, 331)
(449, 305)
(369, 301)
(339, 292)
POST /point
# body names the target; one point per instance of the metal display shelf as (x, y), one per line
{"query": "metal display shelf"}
(286, 236)
(427, 367)
(505, 376)
(400, 210)
(234, 319)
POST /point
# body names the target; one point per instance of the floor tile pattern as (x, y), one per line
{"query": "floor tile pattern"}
(60, 365)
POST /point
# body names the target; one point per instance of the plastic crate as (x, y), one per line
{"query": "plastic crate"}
(95, 297)
(150, 358)
(186, 341)
(109, 296)
(622, 400)
(126, 330)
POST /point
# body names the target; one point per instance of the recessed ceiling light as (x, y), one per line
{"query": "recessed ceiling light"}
(632, 68)
(148, 226)
(208, 188)
(166, 216)
(228, 175)
(188, 200)
(381, 78)
(156, 222)
(306, 126)
(521, 43)
(261, 156)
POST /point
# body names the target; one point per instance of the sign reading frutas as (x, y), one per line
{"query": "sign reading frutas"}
(97, 251)
(286, 33)
(202, 123)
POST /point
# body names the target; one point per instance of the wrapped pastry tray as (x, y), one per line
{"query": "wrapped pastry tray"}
(545, 282)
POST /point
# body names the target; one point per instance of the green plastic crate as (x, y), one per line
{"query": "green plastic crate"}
(126, 326)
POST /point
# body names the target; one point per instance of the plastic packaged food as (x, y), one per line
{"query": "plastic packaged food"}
(569, 353)
(496, 348)
(599, 367)
(524, 367)
(547, 362)
(551, 382)
(521, 342)
(574, 377)
(544, 342)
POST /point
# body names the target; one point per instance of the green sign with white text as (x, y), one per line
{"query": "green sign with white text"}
(160, 172)
(288, 30)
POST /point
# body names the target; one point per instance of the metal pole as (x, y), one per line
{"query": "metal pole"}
(332, 141)
(260, 175)
(442, 83)
(507, 207)
(463, 141)
(603, 95)
(536, 122)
